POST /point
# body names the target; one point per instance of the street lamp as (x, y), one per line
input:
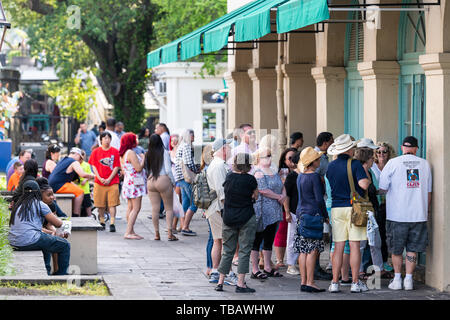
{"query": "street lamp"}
(4, 25)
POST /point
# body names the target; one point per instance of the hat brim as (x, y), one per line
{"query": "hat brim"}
(332, 150)
(303, 166)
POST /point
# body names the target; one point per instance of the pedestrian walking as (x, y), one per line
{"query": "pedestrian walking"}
(105, 162)
(85, 139)
(160, 184)
(239, 221)
(185, 169)
(312, 214)
(51, 159)
(268, 209)
(290, 206)
(25, 232)
(64, 173)
(407, 182)
(285, 167)
(134, 182)
(341, 211)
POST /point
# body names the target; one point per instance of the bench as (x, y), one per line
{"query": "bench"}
(83, 244)
(64, 201)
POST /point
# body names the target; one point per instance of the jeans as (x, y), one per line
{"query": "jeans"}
(52, 244)
(209, 245)
(186, 195)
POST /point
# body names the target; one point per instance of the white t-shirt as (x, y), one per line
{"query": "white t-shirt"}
(408, 181)
(115, 141)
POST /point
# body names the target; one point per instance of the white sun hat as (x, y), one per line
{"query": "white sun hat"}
(341, 144)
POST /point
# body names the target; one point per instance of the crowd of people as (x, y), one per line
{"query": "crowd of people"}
(358, 196)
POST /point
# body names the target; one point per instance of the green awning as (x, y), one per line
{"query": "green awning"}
(250, 22)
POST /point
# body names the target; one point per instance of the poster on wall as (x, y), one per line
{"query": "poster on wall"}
(209, 126)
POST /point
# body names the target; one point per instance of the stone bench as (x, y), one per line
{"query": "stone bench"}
(64, 201)
(83, 244)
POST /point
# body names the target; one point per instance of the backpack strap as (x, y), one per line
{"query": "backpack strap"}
(353, 193)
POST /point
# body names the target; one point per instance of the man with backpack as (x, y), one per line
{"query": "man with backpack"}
(216, 175)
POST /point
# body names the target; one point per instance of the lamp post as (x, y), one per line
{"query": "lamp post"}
(4, 25)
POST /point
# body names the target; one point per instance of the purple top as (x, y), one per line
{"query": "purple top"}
(45, 173)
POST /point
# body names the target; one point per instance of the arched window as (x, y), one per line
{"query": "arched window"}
(354, 86)
(412, 108)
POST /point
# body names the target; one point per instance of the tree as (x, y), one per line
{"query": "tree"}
(114, 36)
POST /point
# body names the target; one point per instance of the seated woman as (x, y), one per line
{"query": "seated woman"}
(25, 234)
(44, 186)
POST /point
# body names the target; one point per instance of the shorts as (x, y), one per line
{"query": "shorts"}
(410, 235)
(106, 196)
(342, 227)
(71, 188)
(216, 222)
(87, 201)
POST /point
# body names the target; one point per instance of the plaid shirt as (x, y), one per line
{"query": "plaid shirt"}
(185, 153)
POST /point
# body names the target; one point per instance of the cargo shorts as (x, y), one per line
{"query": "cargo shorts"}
(412, 236)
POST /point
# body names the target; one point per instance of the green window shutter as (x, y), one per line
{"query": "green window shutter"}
(297, 14)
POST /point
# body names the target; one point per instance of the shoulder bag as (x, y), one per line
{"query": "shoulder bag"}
(310, 225)
(360, 205)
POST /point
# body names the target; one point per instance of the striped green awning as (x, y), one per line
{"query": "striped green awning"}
(250, 22)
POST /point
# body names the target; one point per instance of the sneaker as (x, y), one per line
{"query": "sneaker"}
(214, 277)
(408, 284)
(188, 233)
(244, 290)
(359, 287)
(387, 267)
(292, 270)
(231, 279)
(334, 287)
(345, 283)
(112, 228)
(103, 226)
(395, 284)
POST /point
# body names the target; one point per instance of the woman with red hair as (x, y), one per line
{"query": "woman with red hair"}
(134, 183)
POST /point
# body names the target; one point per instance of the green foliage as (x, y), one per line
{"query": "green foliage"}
(6, 252)
(75, 96)
(89, 288)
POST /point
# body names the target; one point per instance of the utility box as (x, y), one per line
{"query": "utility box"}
(5, 154)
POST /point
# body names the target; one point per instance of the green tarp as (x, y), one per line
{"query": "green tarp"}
(250, 22)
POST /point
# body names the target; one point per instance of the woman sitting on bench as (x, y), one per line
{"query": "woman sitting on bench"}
(25, 234)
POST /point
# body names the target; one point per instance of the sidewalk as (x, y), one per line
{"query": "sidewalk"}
(148, 269)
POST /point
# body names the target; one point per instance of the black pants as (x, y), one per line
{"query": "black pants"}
(380, 217)
(268, 235)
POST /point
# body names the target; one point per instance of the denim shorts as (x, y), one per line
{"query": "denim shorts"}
(410, 235)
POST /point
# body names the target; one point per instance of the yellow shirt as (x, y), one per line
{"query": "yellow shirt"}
(86, 168)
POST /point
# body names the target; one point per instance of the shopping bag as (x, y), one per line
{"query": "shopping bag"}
(178, 211)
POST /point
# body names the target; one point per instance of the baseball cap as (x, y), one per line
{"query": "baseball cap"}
(219, 143)
(77, 151)
(31, 185)
(410, 142)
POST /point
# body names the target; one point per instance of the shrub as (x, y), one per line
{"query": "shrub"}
(6, 252)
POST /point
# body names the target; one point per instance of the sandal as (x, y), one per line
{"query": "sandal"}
(259, 275)
(273, 273)
(172, 238)
(157, 236)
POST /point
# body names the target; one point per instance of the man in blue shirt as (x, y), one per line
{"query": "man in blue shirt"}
(86, 138)
(341, 209)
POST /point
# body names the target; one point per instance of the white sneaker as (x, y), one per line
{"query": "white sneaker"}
(292, 270)
(334, 287)
(395, 284)
(359, 287)
(408, 284)
(231, 279)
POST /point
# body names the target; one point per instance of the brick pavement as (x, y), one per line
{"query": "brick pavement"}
(148, 269)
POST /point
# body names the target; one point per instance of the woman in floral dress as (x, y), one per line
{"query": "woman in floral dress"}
(134, 183)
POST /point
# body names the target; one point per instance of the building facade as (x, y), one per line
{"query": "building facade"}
(382, 74)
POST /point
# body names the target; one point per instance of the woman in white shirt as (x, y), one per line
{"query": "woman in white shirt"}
(160, 183)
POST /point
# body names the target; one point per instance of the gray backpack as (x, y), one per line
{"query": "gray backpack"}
(203, 196)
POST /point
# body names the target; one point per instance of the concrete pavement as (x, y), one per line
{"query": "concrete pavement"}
(149, 269)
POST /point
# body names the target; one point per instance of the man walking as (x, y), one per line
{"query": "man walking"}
(105, 164)
(86, 139)
(341, 209)
(407, 181)
(216, 174)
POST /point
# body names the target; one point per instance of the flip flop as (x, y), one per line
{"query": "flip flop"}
(273, 273)
(259, 275)
(173, 238)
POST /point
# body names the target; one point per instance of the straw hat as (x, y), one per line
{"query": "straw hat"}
(341, 144)
(308, 156)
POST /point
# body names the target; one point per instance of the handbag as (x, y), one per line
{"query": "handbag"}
(309, 225)
(188, 174)
(360, 205)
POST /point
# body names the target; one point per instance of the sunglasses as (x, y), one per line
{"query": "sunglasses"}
(267, 156)
(380, 152)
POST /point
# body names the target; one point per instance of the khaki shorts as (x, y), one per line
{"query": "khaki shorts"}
(342, 227)
(106, 196)
(216, 223)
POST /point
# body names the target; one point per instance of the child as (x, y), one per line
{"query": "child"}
(86, 206)
(15, 178)
(26, 233)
